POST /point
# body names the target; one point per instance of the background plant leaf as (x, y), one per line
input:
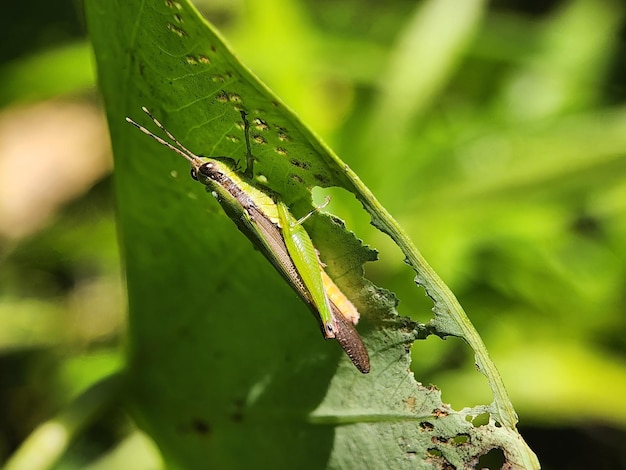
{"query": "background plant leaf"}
(226, 369)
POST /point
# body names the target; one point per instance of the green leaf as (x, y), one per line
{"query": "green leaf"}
(226, 368)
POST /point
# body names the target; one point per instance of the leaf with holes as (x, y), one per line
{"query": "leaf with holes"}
(226, 368)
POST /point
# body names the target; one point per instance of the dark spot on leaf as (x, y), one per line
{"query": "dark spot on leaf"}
(259, 139)
(439, 460)
(322, 179)
(237, 415)
(178, 18)
(204, 59)
(440, 413)
(222, 97)
(339, 222)
(179, 32)
(299, 164)
(200, 426)
(296, 178)
(438, 440)
(281, 151)
(426, 426)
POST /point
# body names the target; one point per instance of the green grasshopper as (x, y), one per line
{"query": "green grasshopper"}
(268, 223)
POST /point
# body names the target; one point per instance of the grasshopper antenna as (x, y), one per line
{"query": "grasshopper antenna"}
(179, 148)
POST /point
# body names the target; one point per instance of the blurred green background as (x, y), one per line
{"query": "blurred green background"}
(494, 132)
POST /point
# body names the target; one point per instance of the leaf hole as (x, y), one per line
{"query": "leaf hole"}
(481, 420)
(494, 459)
(450, 355)
(434, 452)
(461, 439)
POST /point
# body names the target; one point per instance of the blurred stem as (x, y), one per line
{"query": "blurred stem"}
(433, 42)
(567, 71)
(50, 440)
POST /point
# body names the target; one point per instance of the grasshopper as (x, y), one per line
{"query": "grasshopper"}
(266, 220)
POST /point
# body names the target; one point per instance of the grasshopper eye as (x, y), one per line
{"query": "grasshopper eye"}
(206, 170)
(193, 174)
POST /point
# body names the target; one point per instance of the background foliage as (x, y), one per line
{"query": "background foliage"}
(512, 157)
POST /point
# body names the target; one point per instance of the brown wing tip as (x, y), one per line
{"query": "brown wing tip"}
(352, 344)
